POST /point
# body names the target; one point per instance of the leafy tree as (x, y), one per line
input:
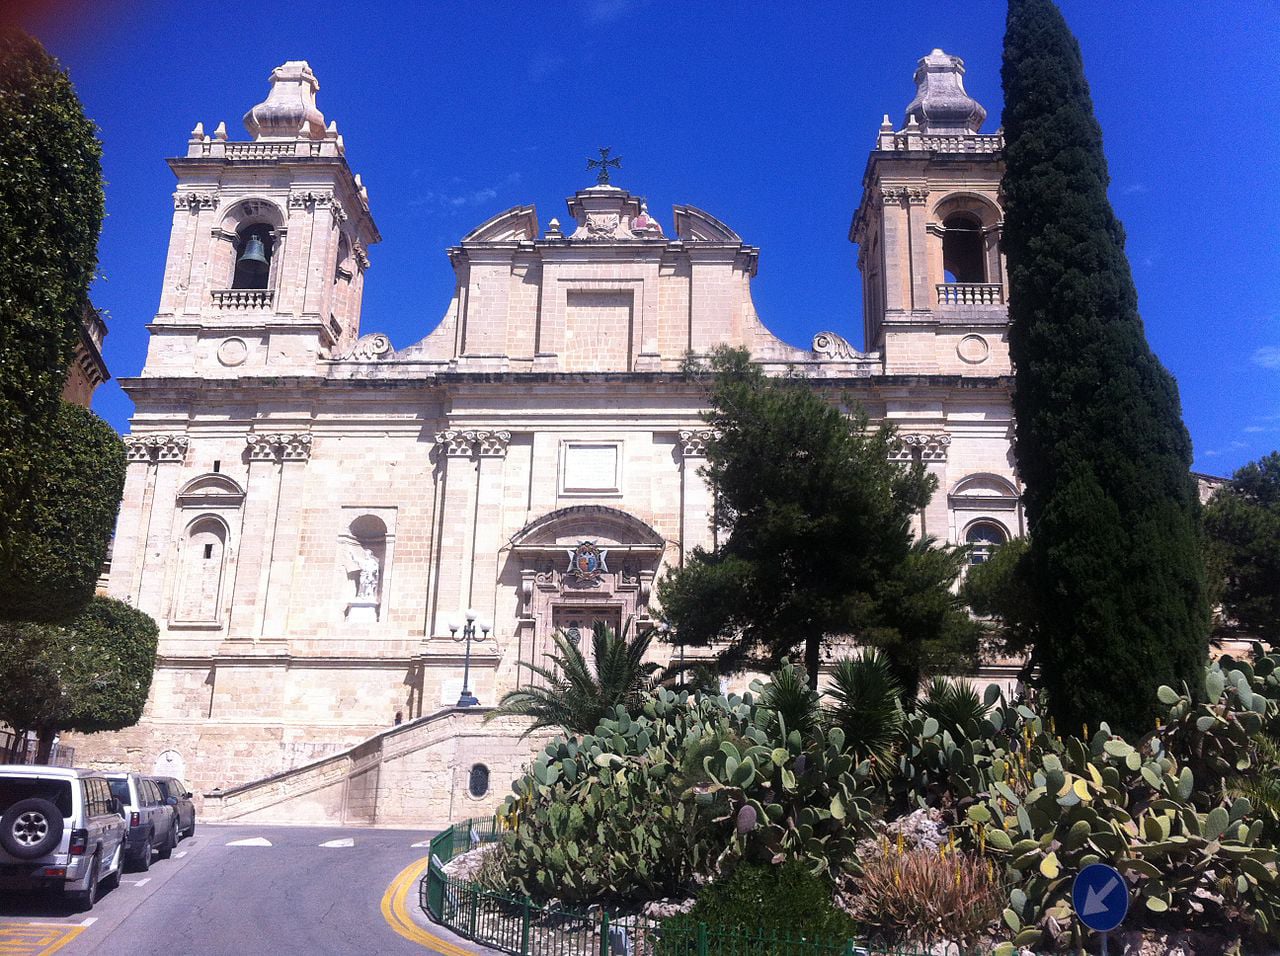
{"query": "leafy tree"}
(819, 535)
(574, 695)
(1114, 557)
(89, 675)
(62, 529)
(1243, 525)
(999, 589)
(51, 207)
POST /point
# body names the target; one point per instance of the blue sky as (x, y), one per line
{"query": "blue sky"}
(762, 113)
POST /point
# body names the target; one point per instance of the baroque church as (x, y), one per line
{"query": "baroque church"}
(309, 511)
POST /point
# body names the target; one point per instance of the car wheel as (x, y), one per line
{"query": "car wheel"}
(143, 862)
(166, 850)
(89, 895)
(191, 830)
(30, 828)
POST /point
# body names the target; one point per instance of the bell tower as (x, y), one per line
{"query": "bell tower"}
(928, 234)
(268, 249)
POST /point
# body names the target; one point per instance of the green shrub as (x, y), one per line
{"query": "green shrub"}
(788, 900)
(637, 809)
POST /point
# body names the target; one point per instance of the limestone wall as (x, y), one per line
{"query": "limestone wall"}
(414, 775)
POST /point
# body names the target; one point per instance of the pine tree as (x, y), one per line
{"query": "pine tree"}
(1115, 555)
(817, 544)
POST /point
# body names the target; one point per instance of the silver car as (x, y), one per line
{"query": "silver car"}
(59, 828)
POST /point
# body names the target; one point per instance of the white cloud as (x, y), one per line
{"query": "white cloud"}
(1133, 188)
(1268, 356)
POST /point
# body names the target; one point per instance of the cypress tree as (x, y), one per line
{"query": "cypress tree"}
(1115, 557)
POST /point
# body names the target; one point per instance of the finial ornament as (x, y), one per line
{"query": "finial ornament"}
(603, 164)
(941, 104)
(289, 111)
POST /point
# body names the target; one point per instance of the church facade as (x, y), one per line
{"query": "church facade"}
(309, 511)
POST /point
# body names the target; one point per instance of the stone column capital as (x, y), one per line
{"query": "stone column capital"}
(492, 444)
(279, 446)
(693, 441)
(156, 448)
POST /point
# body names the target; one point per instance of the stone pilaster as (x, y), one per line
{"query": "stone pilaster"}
(696, 502)
(457, 462)
(491, 453)
(166, 454)
(917, 197)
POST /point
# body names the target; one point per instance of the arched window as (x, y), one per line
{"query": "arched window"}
(963, 255)
(254, 246)
(202, 564)
(983, 537)
(478, 780)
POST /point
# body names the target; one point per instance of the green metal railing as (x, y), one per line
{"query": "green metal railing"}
(517, 925)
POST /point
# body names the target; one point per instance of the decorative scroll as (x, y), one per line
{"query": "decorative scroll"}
(834, 346)
(367, 348)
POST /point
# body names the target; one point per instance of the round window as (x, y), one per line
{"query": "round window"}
(478, 785)
(983, 537)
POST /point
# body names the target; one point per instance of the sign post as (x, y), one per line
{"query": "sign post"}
(1101, 899)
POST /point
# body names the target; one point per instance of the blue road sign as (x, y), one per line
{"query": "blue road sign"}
(1101, 897)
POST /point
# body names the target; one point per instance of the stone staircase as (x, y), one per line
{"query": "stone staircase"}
(416, 774)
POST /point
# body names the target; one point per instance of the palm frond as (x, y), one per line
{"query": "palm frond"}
(953, 704)
(574, 695)
(788, 696)
(867, 705)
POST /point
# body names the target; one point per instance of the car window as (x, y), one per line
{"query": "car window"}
(13, 789)
(156, 796)
(99, 796)
(120, 790)
(166, 788)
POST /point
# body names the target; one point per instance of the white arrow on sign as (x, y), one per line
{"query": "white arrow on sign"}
(1095, 900)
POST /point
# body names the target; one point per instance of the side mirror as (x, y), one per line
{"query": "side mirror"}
(115, 806)
(188, 795)
(171, 801)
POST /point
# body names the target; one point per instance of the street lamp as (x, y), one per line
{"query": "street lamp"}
(466, 698)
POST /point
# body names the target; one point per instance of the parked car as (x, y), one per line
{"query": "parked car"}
(178, 795)
(152, 823)
(59, 828)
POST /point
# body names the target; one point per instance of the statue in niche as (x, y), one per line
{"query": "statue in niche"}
(365, 566)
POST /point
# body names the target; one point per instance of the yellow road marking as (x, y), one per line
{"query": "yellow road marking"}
(395, 912)
(36, 939)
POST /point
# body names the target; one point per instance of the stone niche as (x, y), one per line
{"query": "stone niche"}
(579, 565)
(366, 546)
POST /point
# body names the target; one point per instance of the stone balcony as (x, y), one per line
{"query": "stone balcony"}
(970, 293)
(243, 300)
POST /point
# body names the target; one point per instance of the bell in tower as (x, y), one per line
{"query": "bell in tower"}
(253, 265)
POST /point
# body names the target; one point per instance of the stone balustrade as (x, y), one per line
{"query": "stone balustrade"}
(912, 141)
(243, 300)
(970, 293)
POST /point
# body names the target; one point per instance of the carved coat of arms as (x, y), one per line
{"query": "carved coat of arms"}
(586, 561)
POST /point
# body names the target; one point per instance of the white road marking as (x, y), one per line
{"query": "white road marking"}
(180, 854)
(142, 882)
(252, 841)
(414, 846)
(345, 841)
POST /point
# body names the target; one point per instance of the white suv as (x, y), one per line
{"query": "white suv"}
(59, 828)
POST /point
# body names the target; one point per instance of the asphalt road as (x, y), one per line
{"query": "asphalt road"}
(357, 895)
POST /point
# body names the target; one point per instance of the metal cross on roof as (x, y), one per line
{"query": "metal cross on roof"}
(603, 164)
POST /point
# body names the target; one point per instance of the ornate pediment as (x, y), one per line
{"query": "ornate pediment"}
(565, 529)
